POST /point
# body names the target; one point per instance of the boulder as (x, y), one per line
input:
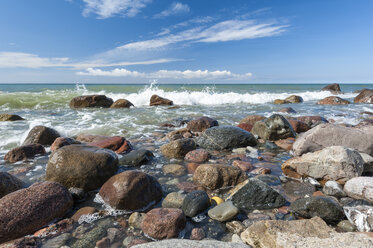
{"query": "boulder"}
(41, 135)
(223, 212)
(201, 124)
(121, 103)
(136, 158)
(181, 243)
(312, 121)
(195, 202)
(163, 223)
(131, 190)
(197, 156)
(156, 100)
(117, 144)
(256, 194)
(225, 137)
(245, 126)
(333, 100)
(360, 188)
(81, 166)
(8, 117)
(91, 101)
(28, 210)
(326, 135)
(252, 119)
(215, 176)
(178, 148)
(9, 183)
(331, 163)
(290, 99)
(273, 128)
(365, 96)
(24, 152)
(299, 126)
(361, 216)
(326, 208)
(334, 88)
(62, 141)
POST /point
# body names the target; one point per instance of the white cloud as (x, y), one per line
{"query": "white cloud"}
(176, 8)
(28, 60)
(219, 32)
(171, 74)
(108, 8)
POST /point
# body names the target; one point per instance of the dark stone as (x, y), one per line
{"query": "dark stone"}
(365, 96)
(136, 158)
(41, 135)
(9, 184)
(156, 100)
(91, 101)
(24, 152)
(273, 128)
(8, 117)
(195, 202)
(201, 124)
(334, 88)
(225, 137)
(288, 110)
(121, 103)
(312, 121)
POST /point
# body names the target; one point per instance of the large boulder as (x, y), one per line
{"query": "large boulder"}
(117, 144)
(121, 103)
(201, 124)
(41, 135)
(163, 223)
(9, 184)
(178, 148)
(274, 127)
(131, 190)
(360, 188)
(333, 100)
(333, 88)
(27, 210)
(365, 96)
(332, 163)
(215, 176)
(24, 152)
(81, 166)
(256, 194)
(91, 101)
(9, 117)
(156, 100)
(326, 135)
(225, 137)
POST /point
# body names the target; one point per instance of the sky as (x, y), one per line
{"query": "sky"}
(186, 41)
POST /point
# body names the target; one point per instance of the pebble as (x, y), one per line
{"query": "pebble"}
(195, 202)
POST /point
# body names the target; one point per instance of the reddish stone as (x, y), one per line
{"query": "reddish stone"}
(197, 156)
(318, 193)
(122, 222)
(245, 126)
(252, 119)
(83, 211)
(116, 143)
(56, 229)
(299, 126)
(260, 158)
(244, 166)
(312, 120)
(261, 171)
(191, 167)
(197, 234)
(91, 101)
(161, 223)
(333, 100)
(88, 138)
(283, 210)
(286, 144)
(62, 141)
(187, 186)
(241, 157)
(24, 152)
(121, 103)
(201, 124)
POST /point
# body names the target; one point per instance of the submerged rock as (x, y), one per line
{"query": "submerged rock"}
(178, 148)
(195, 202)
(273, 128)
(81, 166)
(41, 135)
(136, 158)
(8, 117)
(24, 152)
(121, 103)
(9, 183)
(131, 190)
(91, 101)
(365, 96)
(333, 100)
(201, 124)
(156, 100)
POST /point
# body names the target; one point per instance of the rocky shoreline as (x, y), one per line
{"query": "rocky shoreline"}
(267, 182)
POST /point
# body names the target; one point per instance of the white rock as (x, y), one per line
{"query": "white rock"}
(361, 216)
(333, 188)
(360, 188)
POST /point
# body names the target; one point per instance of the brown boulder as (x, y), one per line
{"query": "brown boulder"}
(62, 141)
(164, 223)
(215, 176)
(197, 156)
(131, 190)
(24, 153)
(201, 124)
(334, 88)
(178, 148)
(333, 100)
(9, 184)
(116, 143)
(299, 126)
(8, 117)
(365, 96)
(41, 135)
(121, 103)
(290, 99)
(251, 119)
(156, 100)
(28, 210)
(245, 126)
(91, 101)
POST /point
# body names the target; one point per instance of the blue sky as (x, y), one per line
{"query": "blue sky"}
(187, 41)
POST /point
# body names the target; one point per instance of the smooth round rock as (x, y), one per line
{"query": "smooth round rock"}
(195, 202)
(24, 152)
(223, 212)
(41, 135)
(178, 148)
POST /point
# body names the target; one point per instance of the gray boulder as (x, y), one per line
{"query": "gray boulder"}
(275, 127)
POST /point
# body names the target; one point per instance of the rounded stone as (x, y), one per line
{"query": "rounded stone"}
(223, 212)
(24, 152)
(195, 202)
(9, 183)
(197, 156)
(41, 135)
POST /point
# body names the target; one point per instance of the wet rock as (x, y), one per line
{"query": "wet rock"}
(223, 212)
(299, 126)
(273, 128)
(252, 119)
(136, 242)
(103, 243)
(290, 99)
(187, 186)
(24, 152)
(9, 183)
(8, 117)
(360, 188)
(62, 141)
(178, 148)
(333, 100)
(225, 137)
(245, 126)
(346, 226)
(324, 207)
(136, 219)
(136, 158)
(197, 156)
(296, 189)
(156, 100)
(331, 163)
(286, 144)
(312, 121)
(365, 96)
(78, 194)
(88, 138)
(91, 101)
(121, 103)
(58, 241)
(41, 135)
(173, 200)
(235, 227)
(163, 223)
(174, 169)
(326, 135)
(334, 88)
(191, 167)
(83, 211)
(256, 194)
(181, 243)
(197, 234)
(215, 176)
(288, 110)
(81, 166)
(131, 190)
(261, 171)
(27, 210)
(117, 144)
(89, 239)
(361, 216)
(243, 165)
(255, 217)
(333, 188)
(178, 134)
(29, 242)
(195, 202)
(201, 124)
